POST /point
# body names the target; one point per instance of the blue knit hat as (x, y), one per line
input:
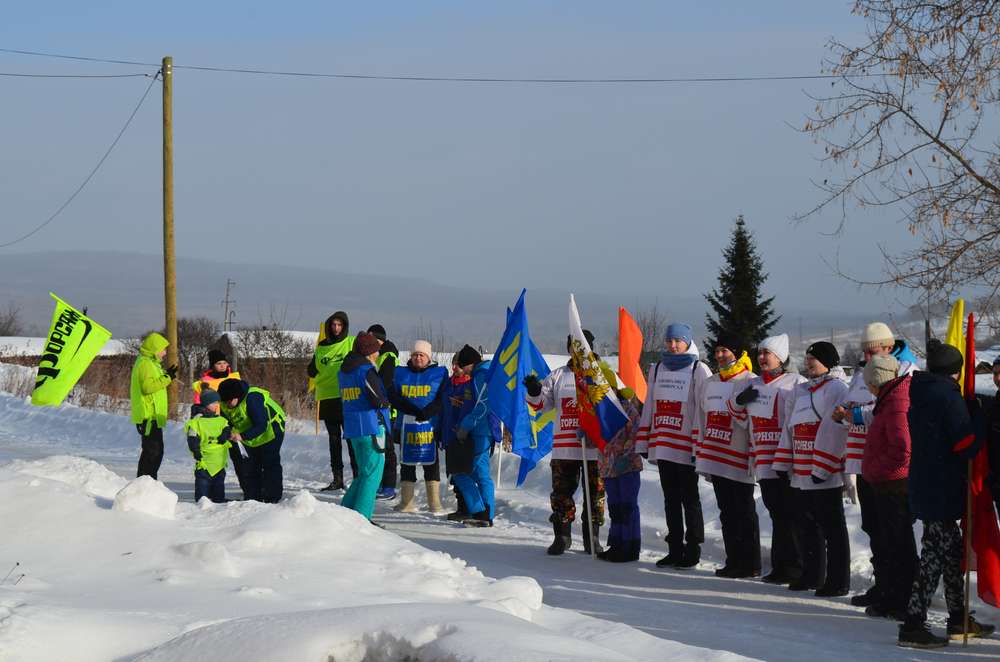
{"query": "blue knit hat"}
(680, 331)
(208, 396)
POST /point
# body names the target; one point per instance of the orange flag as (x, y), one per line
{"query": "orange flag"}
(629, 350)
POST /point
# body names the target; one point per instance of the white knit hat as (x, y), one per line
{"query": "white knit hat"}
(877, 335)
(422, 347)
(881, 369)
(777, 345)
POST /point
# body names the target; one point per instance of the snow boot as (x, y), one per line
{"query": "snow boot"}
(336, 484)
(691, 556)
(956, 629)
(406, 504)
(434, 497)
(913, 634)
(591, 537)
(386, 493)
(827, 591)
(674, 555)
(480, 519)
(563, 538)
(866, 599)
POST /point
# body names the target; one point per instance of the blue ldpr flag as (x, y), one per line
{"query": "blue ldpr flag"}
(516, 358)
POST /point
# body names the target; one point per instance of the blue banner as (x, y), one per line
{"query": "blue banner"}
(416, 441)
(516, 358)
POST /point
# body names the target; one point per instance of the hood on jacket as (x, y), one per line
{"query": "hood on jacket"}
(894, 392)
(482, 366)
(153, 344)
(388, 347)
(353, 360)
(332, 338)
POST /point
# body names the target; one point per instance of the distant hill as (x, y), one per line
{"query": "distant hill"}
(125, 293)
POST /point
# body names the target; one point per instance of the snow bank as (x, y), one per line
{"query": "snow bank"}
(302, 580)
(146, 495)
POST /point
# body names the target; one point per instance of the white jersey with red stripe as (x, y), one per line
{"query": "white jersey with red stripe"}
(765, 417)
(671, 414)
(723, 445)
(811, 442)
(858, 395)
(559, 393)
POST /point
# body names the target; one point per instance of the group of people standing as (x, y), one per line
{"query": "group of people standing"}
(903, 436)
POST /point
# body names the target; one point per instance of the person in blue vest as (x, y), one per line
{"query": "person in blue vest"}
(258, 422)
(415, 393)
(366, 419)
(475, 434)
(388, 357)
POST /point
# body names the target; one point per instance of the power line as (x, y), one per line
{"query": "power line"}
(22, 75)
(93, 171)
(449, 79)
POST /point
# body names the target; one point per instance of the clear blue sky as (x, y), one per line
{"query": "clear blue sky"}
(627, 189)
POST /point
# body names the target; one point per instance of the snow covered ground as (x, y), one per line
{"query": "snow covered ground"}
(136, 576)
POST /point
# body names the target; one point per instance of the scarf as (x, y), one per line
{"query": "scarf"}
(677, 361)
(737, 367)
(769, 377)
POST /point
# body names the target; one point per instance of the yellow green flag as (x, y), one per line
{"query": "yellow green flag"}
(73, 342)
(955, 335)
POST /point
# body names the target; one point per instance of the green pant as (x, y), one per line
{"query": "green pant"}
(360, 495)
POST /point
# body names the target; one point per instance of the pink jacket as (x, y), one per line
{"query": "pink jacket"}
(887, 451)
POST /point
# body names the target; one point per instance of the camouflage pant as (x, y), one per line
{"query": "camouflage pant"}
(940, 553)
(566, 476)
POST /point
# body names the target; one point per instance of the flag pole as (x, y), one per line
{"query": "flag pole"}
(586, 493)
(968, 552)
(500, 456)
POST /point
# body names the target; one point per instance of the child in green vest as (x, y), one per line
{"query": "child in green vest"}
(208, 438)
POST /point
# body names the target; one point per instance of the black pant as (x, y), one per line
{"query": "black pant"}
(152, 449)
(389, 470)
(786, 548)
(681, 503)
(897, 546)
(740, 526)
(408, 472)
(264, 479)
(876, 539)
(240, 467)
(826, 547)
(332, 413)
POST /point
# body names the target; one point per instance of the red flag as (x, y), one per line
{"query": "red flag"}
(629, 351)
(985, 532)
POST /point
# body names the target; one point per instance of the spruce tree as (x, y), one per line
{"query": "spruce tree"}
(737, 304)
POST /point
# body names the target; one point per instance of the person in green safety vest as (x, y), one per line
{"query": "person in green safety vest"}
(324, 369)
(148, 392)
(258, 422)
(208, 440)
(385, 364)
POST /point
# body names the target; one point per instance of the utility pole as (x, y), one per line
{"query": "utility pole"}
(227, 319)
(169, 275)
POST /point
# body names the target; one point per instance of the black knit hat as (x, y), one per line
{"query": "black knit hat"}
(732, 342)
(230, 389)
(366, 344)
(215, 355)
(468, 356)
(943, 359)
(825, 353)
(378, 331)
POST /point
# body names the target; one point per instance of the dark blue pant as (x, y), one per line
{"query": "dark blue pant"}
(263, 471)
(214, 487)
(623, 505)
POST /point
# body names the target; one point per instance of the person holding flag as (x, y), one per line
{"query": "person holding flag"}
(943, 440)
(764, 403)
(723, 454)
(571, 449)
(667, 432)
(476, 434)
(334, 345)
(148, 392)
